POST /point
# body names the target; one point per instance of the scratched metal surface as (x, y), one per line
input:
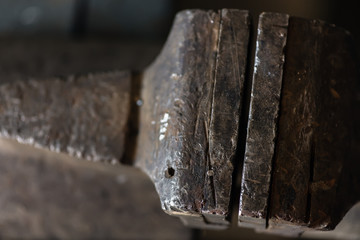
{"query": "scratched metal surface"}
(263, 115)
(189, 120)
(316, 175)
(190, 107)
(83, 116)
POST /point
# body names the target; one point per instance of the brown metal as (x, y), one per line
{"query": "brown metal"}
(315, 180)
(189, 121)
(301, 158)
(263, 115)
(181, 120)
(84, 116)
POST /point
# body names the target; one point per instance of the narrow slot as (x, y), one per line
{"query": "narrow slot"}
(244, 115)
(132, 131)
(311, 179)
(273, 162)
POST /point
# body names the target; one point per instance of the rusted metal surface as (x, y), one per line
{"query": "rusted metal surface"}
(263, 115)
(296, 168)
(189, 121)
(83, 116)
(179, 121)
(49, 195)
(316, 147)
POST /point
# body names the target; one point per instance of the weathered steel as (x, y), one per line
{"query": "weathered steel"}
(189, 121)
(47, 195)
(316, 175)
(83, 116)
(181, 121)
(263, 115)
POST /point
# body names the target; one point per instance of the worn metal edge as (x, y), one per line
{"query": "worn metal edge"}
(68, 114)
(154, 118)
(307, 223)
(262, 122)
(231, 67)
(159, 116)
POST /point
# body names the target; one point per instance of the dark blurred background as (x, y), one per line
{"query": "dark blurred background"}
(121, 33)
(148, 19)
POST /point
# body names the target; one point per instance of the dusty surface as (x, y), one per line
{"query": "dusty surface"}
(84, 116)
(50, 195)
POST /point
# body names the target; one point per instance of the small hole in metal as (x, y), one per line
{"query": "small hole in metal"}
(169, 172)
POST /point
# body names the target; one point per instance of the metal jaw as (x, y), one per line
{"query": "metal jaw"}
(209, 126)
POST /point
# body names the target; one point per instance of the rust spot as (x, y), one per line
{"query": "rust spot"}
(334, 93)
(323, 185)
(315, 124)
